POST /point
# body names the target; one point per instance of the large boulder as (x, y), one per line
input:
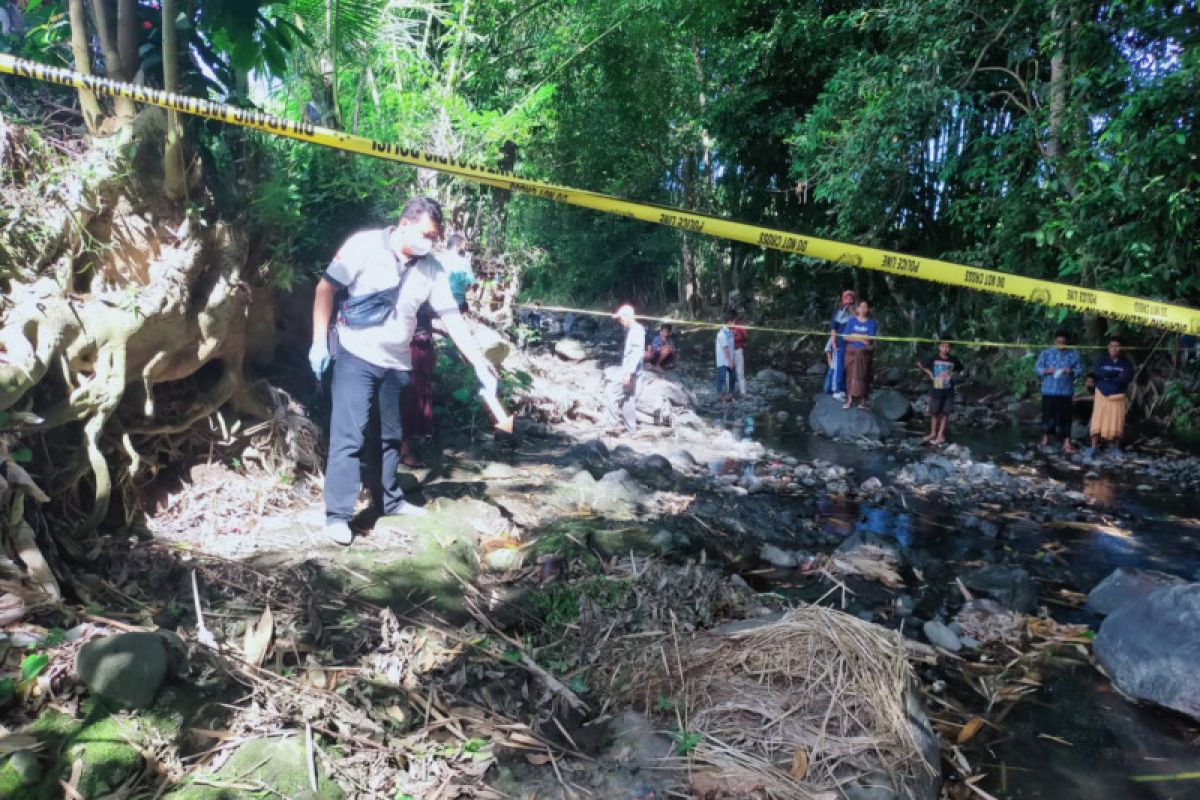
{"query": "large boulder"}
(127, 669)
(1125, 585)
(661, 398)
(1011, 587)
(570, 349)
(773, 377)
(1150, 647)
(830, 419)
(890, 404)
(592, 455)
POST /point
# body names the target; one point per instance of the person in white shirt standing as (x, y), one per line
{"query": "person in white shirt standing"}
(631, 364)
(726, 365)
(386, 275)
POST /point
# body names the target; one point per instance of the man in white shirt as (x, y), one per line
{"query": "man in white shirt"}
(726, 372)
(386, 273)
(631, 364)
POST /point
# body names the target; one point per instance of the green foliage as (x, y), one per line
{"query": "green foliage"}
(1183, 407)
(33, 665)
(686, 741)
(48, 37)
(1015, 373)
(557, 605)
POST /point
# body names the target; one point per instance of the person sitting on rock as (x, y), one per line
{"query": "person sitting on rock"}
(859, 336)
(1057, 367)
(941, 369)
(661, 353)
(387, 274)
(1113, 373)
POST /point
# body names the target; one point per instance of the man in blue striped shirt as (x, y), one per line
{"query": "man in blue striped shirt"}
(1057, 367)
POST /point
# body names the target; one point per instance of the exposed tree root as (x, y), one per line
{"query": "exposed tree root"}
(167, 296)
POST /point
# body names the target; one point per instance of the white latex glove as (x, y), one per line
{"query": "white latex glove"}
(318, 359)
(1058, 373)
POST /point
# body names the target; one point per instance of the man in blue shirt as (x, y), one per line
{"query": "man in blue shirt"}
(458, 269)
(1057, 367)
(1113, 374)
(661, 352)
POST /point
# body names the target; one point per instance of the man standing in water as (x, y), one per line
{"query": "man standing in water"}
(386, 274)
(1057, 368)
(632, 357)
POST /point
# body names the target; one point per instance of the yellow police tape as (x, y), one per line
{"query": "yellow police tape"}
(824, 333)
(1114, 306)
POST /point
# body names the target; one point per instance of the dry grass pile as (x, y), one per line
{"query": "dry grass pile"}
(791, 709)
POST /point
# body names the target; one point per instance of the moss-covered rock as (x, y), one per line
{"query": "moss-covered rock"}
(430, 570)
(109, 745)
(127, 669)
(279, 765)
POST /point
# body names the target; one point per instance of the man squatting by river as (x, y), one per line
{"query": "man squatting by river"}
(385, 274)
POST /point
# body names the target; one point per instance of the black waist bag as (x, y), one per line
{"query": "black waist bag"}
(372, 309)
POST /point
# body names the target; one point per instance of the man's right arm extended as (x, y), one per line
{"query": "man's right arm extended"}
(318, 354)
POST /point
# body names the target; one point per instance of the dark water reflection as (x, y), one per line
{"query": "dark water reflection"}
(1077, 737)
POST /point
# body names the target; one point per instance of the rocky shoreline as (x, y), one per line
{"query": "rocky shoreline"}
(555, 562)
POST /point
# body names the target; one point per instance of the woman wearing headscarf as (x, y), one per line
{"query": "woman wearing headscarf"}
(841, 315)
(859, 336)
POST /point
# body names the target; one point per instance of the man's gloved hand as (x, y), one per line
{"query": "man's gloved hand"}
(318, 359)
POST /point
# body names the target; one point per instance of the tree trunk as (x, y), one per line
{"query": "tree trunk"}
(101, 15)
(687, 271)
(174, 169)
(687, 262)
(500, 198)
(127, 38)
(83, 64)
(723, 279)
(333, 37)
(1056, 148)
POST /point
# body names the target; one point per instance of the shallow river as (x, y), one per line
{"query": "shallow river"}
(1076, 737)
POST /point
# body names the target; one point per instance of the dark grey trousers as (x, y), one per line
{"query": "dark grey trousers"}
(364, 431)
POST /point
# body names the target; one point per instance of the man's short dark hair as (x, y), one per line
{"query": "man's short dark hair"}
(666, 326)
(731, 316)
(944, 338)
(418, 207)
(455, 240)
(1062, 335)
(1116, 339)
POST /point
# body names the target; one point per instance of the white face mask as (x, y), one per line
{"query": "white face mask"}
(410, 243)
(416, 244)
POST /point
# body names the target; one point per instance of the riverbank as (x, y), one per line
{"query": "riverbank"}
(502, 645)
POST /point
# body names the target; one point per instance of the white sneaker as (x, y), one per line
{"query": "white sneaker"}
(409, 510)
(339, 532)
(839, 395)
